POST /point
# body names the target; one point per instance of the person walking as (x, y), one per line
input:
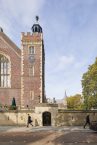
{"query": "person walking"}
(87, 121)
(29, 121)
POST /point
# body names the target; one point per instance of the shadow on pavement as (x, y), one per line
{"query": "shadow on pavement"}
(25, 138)
(77, 138)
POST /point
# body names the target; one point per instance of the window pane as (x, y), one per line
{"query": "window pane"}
(31, 50)
(4, 71)
(1, 68)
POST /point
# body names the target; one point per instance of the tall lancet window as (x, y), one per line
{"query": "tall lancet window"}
(4, 72)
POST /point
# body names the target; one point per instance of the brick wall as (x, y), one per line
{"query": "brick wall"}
(13, 53)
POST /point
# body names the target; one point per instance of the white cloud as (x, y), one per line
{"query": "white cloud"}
(16, 16)
(60, 63)
(64, 62)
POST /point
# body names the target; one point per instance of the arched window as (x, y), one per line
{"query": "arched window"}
(4, 72)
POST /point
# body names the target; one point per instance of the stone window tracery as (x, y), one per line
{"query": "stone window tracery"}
(4, 72)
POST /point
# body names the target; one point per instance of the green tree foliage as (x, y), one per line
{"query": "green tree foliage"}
(13, 105)
(74, 102)
(13, 102)
(89, 86)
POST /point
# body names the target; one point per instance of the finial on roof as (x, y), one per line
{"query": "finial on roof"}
(36, 27)
(37, 18)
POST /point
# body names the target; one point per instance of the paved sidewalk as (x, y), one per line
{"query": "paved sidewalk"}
(67, 135)
(49, 128)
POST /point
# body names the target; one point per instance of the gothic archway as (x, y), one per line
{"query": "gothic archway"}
(46, 117)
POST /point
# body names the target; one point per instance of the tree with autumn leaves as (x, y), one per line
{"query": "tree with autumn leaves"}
(74, 102)
(88, 100)
(89, 87)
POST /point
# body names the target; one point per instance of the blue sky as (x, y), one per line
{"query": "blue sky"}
(70, 37)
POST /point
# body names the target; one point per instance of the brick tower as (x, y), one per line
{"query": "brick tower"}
(32, 67)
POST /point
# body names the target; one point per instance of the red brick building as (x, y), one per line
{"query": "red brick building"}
(22, 69)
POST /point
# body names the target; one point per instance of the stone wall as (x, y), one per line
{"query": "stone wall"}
(41, 108)
(58, 117)
(15, 117)
(19, 117)
(74, 118)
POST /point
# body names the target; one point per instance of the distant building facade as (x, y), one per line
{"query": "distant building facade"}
(22, 71)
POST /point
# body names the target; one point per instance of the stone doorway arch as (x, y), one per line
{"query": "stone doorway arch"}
(46, 118)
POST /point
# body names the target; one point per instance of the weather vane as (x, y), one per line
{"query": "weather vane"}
(37, 18)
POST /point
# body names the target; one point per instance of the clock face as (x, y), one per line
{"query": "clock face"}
(31, 58)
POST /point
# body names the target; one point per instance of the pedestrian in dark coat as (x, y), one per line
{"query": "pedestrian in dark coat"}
(87, 121)
(29, 121)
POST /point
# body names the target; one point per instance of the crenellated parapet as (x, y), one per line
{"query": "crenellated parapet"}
(31, 37)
